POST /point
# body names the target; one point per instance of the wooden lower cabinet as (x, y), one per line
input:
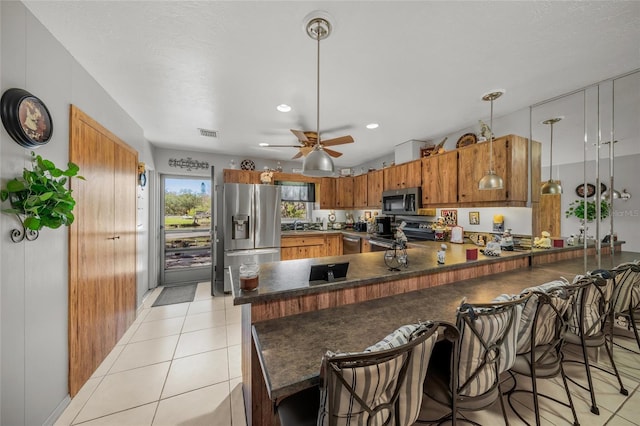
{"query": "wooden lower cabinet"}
(365, 247)
(306, 247)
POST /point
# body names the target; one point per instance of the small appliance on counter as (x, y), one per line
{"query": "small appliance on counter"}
(360, 226)
(383, 227)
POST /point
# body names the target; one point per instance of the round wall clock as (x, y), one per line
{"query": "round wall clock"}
(26, 118)
(247, 165)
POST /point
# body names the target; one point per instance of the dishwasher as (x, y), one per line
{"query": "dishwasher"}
(350, 245)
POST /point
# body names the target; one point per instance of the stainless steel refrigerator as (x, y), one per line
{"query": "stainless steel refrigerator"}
(251, 225)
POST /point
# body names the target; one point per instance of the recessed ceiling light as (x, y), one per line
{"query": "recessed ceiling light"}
(263, 144)
(372, 126)
(283, 108)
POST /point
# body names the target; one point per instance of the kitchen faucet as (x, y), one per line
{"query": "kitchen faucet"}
(295, 224)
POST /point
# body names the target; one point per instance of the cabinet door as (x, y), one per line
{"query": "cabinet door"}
(334, 245)
(365, 247)
(440, 179)
(344, 192)
(392, 177)
(288, 253)
(360, 195)
(412, 174)
(473, 164)
(325, 193)
(374, 189)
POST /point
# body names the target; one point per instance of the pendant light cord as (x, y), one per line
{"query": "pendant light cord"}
(551, 155)
(491, 139)
(318, 37)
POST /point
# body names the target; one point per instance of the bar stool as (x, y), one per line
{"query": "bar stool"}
(378, 387)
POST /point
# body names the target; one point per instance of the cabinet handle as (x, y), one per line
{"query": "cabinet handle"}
(117, 237)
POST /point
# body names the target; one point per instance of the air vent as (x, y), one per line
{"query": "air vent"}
(208, 133)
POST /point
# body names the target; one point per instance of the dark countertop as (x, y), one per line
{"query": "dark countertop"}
(291, 348)
(290, 278)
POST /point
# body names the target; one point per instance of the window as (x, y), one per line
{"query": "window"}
(297, 200)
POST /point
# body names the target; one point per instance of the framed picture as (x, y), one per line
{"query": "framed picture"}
(26, 118)
(450, 217)
(474, 218)
(367, 215)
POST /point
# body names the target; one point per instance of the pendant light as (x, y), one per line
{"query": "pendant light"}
(318, 163)
(551, 186)
(491, 180)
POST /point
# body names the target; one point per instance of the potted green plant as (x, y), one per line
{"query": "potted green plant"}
(587, 212)
(39, 197)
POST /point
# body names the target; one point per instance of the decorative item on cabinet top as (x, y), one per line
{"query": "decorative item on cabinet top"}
(26, 118)
(247, 165)
(188, 164)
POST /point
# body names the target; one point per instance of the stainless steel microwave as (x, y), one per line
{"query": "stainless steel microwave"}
(401, 201)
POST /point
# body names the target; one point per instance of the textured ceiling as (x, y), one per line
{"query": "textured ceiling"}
(417, 68)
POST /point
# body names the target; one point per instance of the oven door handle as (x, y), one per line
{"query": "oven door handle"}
(351, 240)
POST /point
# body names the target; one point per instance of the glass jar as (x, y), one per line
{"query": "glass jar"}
(249, 273)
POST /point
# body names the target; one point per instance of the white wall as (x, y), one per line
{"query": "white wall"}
(34, 275)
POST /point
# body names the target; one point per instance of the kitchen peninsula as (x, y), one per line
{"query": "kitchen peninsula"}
(284, 290)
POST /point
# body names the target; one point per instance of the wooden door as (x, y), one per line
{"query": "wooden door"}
(101, 246)
(124, 244)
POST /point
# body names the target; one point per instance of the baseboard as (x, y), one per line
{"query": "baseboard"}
(55, 415)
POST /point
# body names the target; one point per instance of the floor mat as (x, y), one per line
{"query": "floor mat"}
(176, 294)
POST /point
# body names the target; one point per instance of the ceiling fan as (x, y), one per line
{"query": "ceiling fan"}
(309, 139)
(317, 160)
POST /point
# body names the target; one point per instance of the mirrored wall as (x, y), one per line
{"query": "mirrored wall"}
(599, 191)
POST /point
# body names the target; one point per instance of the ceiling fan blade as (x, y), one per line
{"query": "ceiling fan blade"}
(281, 146)
(332, 152)
(298, 155)
(306, 150)
(300, 135)
(338, 141)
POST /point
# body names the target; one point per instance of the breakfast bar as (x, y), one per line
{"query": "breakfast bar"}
(288, 323)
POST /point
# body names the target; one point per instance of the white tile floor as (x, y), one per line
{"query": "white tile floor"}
(177, 365)
(180, 365)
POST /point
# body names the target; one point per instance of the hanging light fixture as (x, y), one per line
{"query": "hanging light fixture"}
(551, 186)
(491, 180)
(318, 163)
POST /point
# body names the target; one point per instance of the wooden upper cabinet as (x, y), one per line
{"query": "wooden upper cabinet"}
(344, 192)
(241, 176)
(405, 175)
(374, 189)
(440, 179)
(360, 193)
(325, 193)
(510, 161)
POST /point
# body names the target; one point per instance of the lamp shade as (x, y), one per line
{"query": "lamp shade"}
(318, 163)
(490, 181)
(551, 187)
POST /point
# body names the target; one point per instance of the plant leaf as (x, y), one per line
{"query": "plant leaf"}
(46, 196)
(15, 185)
(32, 223)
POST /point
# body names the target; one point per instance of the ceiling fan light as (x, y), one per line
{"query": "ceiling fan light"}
(551, 187)
(318, 163)
(490, 181)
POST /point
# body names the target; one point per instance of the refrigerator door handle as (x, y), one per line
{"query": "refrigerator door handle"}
(249, 252)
